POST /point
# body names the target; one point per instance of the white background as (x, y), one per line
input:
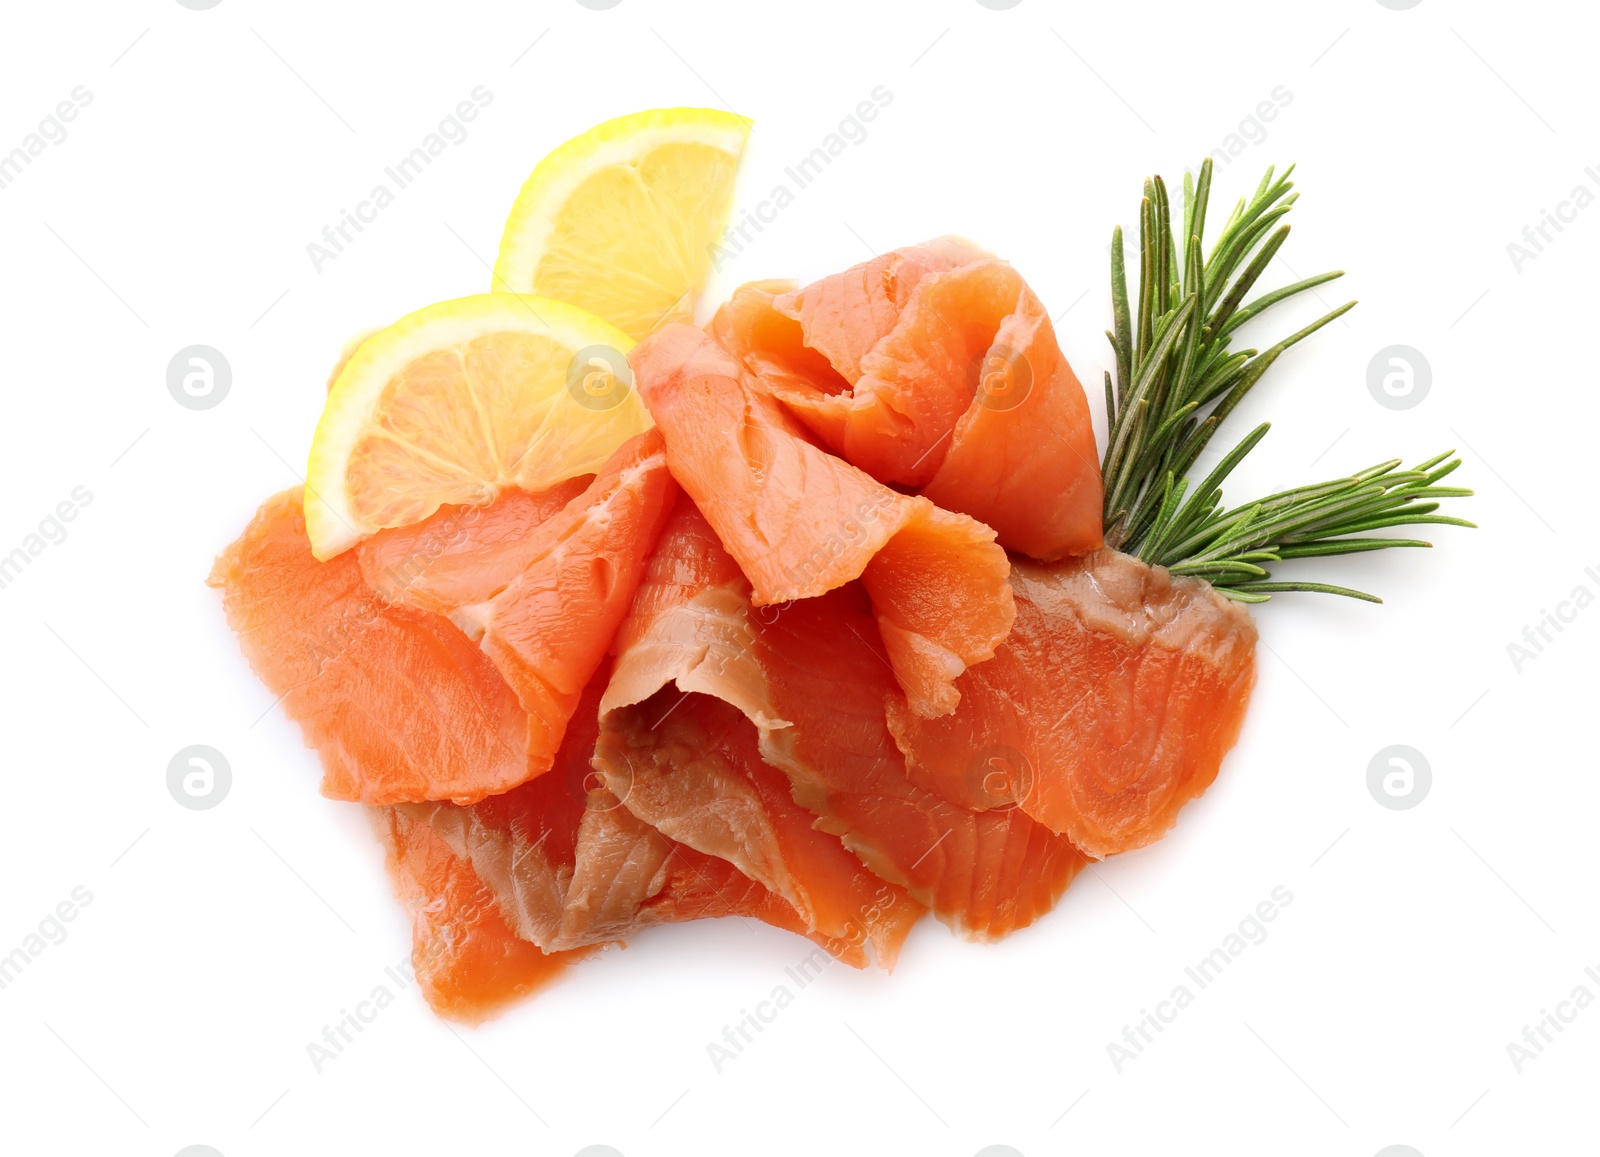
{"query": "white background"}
(218, 943)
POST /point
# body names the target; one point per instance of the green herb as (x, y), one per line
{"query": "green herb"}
(1177, 380)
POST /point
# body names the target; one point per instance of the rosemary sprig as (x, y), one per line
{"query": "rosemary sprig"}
(1177, 381)
(1176, 377)
(1227, 547)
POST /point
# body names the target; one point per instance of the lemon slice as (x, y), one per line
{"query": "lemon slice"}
(457, 401)
(622, 219)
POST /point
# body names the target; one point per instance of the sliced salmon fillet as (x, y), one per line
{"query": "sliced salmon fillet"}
(566, 873)
(605, 878)
(812, 679)
(631, 877)
(468, 962)
(819, 335)
(935, 368)
(985, 873)
(772, 347)
(808, 347)
(689, 765)
(1111, 705)
(523, 844)
(542, 595)
(319, 638)
(800, 522)
(463, 554)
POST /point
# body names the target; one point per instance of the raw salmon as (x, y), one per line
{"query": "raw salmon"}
(812, 679)
(689, 763)
(567, 870)
(983, 873)
(800, 522)
(542, 595)
(1109, 707)
(690, 766)
(463, 554)
(631, 877)
(468, 962)
(523, 844)
(819, 334)
(319, 638)
(935, 368)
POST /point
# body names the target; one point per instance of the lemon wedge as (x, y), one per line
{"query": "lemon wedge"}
(457, 401)
(622, 220)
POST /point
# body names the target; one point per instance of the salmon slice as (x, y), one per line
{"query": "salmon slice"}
(319, 638)
(689, 763)
(601, 878)
(820, 334)
(800, 522)
(463, 554)
(690, 767)
(565, 873)
(542, 595)
(985, 873)
(812, 680)
(1111, 705)
(631, 877)
(935, 368)
(468, 962)
(772, 346)
(808, 347)
(523, 844)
